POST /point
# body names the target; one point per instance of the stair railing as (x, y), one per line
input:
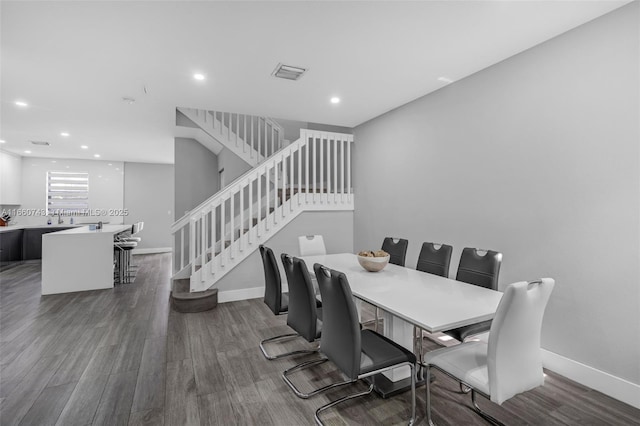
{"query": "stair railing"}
(312, 173)
(251, 133)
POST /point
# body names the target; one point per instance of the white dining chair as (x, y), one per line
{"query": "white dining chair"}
(511, 361)
(311, 245)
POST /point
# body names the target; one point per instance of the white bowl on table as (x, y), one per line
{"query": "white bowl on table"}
(373, 264)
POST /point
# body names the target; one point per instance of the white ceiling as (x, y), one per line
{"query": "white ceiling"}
(74, 61)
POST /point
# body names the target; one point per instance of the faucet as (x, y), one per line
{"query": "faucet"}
(60, 220)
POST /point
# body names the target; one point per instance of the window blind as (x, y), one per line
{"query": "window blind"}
(67, 192)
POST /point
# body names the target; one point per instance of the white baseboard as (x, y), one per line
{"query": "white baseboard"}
(615, 387)
(242, 294)
(152, 250)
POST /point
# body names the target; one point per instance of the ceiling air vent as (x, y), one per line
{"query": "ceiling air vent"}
(42, 143)
(288, 72)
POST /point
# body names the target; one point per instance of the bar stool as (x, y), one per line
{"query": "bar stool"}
(123, 244)
(135, 229)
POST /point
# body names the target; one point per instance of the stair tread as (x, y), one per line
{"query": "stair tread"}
(193, 295)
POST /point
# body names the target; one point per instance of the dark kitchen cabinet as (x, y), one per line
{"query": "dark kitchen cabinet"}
(11, 245)
(32, 242)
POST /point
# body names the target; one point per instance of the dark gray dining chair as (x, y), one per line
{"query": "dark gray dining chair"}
(435, 259)
(481, 270)
(305, 311)
(357, 353)
(278, 302)
(397, 249)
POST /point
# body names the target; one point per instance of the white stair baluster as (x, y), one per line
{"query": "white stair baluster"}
(232, 227)
(182, 250)
(335, 170)
(267, 189)
(213, 238)
(241, 226)
(192, 245)
(249, 237)
(259, 206)
(203, 242)
(341, 170)
(303, 136)
(299, 174)
(315, 167)
(349, 170)
(275, 192)
(322, 148)
(222, 233)
(244, 133)
(291, 175)
(283, 197)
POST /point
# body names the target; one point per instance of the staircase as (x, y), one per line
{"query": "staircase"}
(311, 174)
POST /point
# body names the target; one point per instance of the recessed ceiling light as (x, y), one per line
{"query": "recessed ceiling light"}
(335, 100)
(110, 164)
(3, 141)
(445, 80)
(27, 152)
(198, 76)
(22, 104)
(53, 161)
(65, 134)
(84, 147)
(96, 155)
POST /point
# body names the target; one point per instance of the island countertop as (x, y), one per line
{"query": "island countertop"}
(85, 229)
(56, 226)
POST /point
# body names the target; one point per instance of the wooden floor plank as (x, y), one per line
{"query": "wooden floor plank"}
(84, 401)
(181, 402)
(115, 403)
(50, 403)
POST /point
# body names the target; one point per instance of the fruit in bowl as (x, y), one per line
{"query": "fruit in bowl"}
(373, 261)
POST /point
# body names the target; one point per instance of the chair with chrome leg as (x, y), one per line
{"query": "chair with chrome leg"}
(278, 302)
(511, 361)
(357, 353)
(304, 316)
(482, 270)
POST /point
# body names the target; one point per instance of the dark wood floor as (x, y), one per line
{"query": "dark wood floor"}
(121, 356)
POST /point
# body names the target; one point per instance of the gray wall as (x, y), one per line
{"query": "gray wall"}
(196, 175)
(148, 196)
(233, 166)
(335, 227)
(537, 157)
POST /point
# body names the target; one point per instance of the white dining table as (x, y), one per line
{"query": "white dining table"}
(411, 298)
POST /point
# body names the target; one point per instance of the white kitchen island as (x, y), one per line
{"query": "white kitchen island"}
(79, 259)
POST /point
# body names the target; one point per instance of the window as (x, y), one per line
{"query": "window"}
(67, 192)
